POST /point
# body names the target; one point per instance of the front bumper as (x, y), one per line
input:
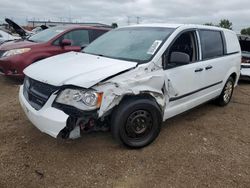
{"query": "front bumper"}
(48, 119)
(11, 67)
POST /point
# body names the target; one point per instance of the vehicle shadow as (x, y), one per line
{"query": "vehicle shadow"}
(10, 81)
(244, 81)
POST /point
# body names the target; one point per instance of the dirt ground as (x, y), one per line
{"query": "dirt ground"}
(206, 147)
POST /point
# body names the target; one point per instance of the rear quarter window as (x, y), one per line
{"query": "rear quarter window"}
(232, 42)
(211, 44)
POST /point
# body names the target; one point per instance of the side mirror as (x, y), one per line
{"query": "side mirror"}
(179, 58)
(65, 42)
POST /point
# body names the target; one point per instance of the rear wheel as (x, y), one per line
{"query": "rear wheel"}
(136, 122)
(226, 94)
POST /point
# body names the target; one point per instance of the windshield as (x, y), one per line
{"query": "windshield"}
(137, 44)
(46, 35)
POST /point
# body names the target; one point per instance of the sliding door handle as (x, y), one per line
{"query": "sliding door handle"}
(198, 70)
(209, 67)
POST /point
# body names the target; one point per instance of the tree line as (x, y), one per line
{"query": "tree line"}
(225, 23)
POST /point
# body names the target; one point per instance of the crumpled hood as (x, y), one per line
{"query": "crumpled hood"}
(18, 29)
(79, 69)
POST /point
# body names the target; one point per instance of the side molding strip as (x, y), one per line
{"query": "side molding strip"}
(193, 92)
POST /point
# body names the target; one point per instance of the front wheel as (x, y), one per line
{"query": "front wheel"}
(136, 122)
(226, 94)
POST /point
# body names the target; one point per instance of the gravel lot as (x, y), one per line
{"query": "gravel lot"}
(206, 147)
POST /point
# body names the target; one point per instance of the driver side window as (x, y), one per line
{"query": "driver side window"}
(77, 37)
(183, 51)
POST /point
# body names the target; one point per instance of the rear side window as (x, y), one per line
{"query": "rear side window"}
(211, 44)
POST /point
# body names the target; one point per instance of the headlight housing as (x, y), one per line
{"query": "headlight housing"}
(82, 99)
(15, 52)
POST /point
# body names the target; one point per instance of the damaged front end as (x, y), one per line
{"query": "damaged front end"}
(137, 82)
(90, 109)
(81, 122)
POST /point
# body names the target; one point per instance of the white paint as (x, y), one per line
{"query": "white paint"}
(87, 71)
(83, 70)
(245, 71)
(48, 120)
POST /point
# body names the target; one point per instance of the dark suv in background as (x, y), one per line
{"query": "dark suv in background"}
(15, 56)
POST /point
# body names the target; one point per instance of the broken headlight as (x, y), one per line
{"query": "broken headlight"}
(15, 52)
(81, 99)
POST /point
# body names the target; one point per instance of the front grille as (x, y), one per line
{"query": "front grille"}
(37, 93)
(2, 52)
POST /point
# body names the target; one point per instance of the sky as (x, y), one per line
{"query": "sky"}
(127, 11)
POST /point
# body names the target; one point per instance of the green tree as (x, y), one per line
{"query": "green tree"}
(210, 24)
(226, 24)
(114, 25)
(245, 31)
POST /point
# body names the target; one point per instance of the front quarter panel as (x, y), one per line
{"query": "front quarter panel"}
(135, 82)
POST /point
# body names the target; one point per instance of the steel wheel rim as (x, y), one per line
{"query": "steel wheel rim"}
(228, 92)
(139, 124)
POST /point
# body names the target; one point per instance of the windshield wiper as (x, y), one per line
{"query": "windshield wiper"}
(93, 54)
(99, 55)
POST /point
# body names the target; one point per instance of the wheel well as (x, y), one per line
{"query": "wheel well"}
(234, 76)
(142, 96)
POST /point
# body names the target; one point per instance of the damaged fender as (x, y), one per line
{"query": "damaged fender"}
(135, 82)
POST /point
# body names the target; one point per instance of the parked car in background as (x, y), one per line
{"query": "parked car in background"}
(4, 37)
(245, 48)
(17, 55)
(130, 80)
(23, 33)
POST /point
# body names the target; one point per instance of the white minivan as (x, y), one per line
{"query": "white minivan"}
(130, 80)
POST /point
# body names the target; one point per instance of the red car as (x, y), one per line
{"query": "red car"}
(17, 55)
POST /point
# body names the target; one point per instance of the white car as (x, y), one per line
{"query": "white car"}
(131, 80)
(7, 37)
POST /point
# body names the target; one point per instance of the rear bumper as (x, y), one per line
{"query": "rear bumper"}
(245, 70)
(48, 120)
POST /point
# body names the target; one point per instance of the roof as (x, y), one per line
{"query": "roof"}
(175, 26)
(72, 23)
(67, 27)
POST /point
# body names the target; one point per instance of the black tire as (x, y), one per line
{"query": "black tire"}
(136, 122)
(226, 94)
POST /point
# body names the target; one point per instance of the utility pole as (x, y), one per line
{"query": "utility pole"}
(128, 20)
(138, 20)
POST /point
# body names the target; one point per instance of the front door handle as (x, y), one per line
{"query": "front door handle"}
(198, 70)
(209, 67)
